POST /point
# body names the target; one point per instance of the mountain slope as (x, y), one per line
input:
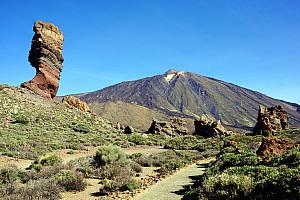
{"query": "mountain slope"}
(31, 125)
(134, 115)
(190, 95)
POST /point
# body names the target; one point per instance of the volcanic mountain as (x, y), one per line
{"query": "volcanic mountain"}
(185, 94)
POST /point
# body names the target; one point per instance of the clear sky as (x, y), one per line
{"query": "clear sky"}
(254, 44)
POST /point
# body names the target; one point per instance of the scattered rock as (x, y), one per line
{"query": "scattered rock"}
(230, 143)
(173, 128)
(46, 57)
(128, 130)
(271, 119)
(119, 126)
(271, 146)
(76, 103)
(207, 127)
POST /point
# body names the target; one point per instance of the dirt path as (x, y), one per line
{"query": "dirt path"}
(172, 187)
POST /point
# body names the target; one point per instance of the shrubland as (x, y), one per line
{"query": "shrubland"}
(238, 173)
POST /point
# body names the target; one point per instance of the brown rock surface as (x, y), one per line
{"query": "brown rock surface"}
(46, 57)
(271, 119)
(173, 127)
(209, 128)
(76, 103)
(271, 146)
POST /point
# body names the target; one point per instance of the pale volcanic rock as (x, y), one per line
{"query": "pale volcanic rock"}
(76, 103)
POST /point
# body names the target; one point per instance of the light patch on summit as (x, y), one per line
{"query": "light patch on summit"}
(169, 77)
(170, 74)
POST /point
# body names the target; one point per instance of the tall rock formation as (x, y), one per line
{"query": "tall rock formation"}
(46, 57)
(271, 119)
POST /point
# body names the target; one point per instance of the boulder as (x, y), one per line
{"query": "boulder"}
(119, 126)
(76, 103)
(173, 127)
(272, 146)
(271, 119)
(128, 130)
(207, 127)
(46, 57)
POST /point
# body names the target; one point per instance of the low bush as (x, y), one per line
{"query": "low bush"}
(48, 160)
(137, 139)
(70, 180)
(82, 128)
(224, 186)
(21, 119)
(38, 189)
(106, 155)
(131, 185)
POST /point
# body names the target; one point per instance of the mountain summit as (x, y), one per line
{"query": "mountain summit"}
(186, 94)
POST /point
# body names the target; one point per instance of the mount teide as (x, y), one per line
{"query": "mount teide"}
(186, 94)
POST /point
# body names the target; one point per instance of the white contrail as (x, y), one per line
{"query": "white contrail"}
(92, 75)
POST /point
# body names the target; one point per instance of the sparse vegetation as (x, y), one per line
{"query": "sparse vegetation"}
(242, 174)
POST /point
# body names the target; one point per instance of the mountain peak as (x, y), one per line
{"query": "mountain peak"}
(171, 71)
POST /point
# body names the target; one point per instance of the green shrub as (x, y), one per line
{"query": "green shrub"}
(51, 160)
(232, 159)
(137, 139)
(132, 185)
(282, 185)
(48, 160)
(290, 158)
(136, 167)
(71, 180)
(109, 185)
(191, 194)
(21, 119)
(106, 155)
(225, 186)
(38, 189)
(82, 128)
(170, 166)
(8, 175)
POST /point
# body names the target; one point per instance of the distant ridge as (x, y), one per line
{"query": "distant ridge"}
(187, 94)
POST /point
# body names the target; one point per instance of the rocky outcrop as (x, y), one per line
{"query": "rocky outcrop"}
(173, 127)
(271, 119)
(46, 57)
(128, 130)
(272, 146)
(207, 127)
(76, 103)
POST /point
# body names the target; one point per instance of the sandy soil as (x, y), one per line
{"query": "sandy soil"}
(93, 186)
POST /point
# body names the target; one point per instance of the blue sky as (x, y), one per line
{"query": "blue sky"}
(254, 44)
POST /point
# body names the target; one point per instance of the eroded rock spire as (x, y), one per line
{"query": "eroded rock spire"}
(46, 57)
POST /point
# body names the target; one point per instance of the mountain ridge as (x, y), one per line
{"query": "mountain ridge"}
(186, 94)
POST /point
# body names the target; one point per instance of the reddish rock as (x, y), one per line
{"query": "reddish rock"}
(271, 146)
(271, 119)
(76, 103)
(230, 143)
(46, 57)
(209, 128)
